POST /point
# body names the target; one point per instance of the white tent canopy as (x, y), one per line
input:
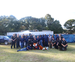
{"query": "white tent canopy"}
(27, 32)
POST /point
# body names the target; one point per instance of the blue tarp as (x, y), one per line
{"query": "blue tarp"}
(69, 38)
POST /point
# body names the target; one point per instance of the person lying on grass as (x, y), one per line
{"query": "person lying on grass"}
(26, 48)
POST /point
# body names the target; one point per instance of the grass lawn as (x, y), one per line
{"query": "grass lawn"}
(51, 55)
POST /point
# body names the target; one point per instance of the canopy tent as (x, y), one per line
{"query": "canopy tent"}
(27, 32)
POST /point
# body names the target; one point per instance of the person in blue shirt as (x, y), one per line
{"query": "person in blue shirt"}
(25, 49)
(46, 40)
(41, 40)
(22, 41)
(26, 40)
(56, 37)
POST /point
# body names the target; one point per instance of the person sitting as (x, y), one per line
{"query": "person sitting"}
(35, 44)
(26, 48)
(64, 44)
(59, 45)
(53, 43)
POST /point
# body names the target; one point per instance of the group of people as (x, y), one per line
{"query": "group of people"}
(41, 42)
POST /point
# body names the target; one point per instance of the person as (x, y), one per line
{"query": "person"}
(38, 39)
(46, 40)
(33, 36)
(41, 40)
(13, 38)
(59, 45)
(52, 37)
(49, 40)
(35, 44)
(53, 43)
(23, 36)
(30, 42)
(17, 41)
(26, 48)
(22, 41)
(64, 44)
(56, 37)
(60, 36)
(26, 40)
(31, 39)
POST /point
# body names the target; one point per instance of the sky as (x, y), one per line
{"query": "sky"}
(61, 16)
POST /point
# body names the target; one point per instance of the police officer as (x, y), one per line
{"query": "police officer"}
(46, 40)
(64, 44)
(17, 41)
(13, 38)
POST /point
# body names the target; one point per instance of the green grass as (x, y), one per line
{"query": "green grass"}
(51, 55)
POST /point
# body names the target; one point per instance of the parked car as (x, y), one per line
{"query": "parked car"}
(5, 39)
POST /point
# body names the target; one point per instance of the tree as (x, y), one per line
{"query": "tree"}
(48, 20)
(70, 26)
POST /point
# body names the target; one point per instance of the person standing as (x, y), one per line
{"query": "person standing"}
(41, 41)
(17, 41)
(46, 40)
(13, 38)
(38, 39)
(22, 41)
(26, 40)
(49, 40)
(56, 37)
(60, 36)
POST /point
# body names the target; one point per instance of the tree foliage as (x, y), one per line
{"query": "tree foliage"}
(70, 25)
(11, 24)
